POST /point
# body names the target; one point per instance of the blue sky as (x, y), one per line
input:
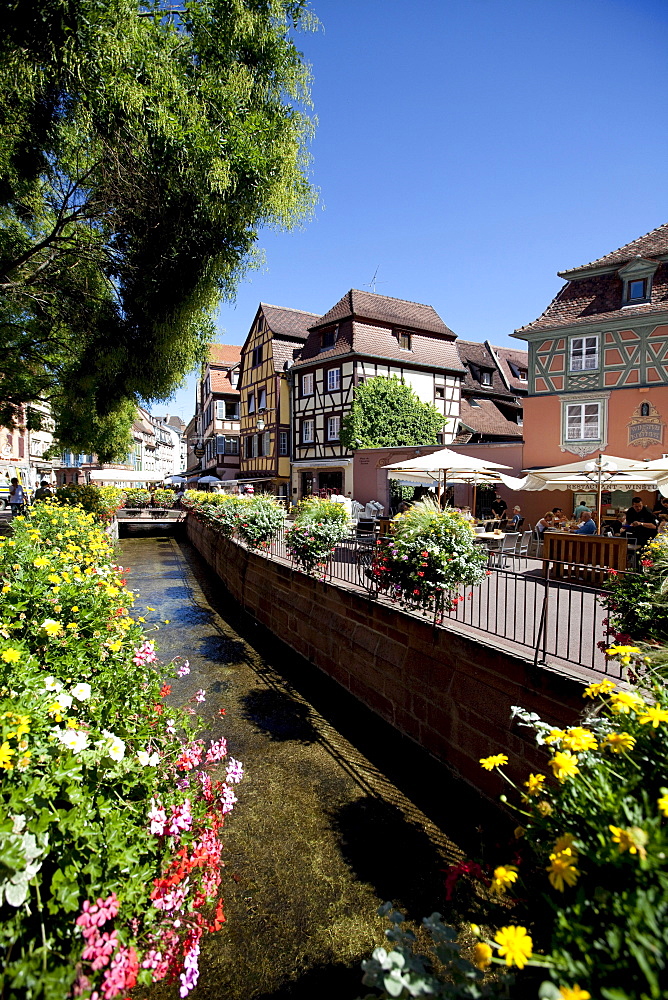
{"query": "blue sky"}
(469, 149)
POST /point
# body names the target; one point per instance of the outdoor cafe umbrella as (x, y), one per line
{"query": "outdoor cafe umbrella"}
(607, 471)
(447, 462)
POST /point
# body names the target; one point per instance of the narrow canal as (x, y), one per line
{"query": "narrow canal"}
(336, 814)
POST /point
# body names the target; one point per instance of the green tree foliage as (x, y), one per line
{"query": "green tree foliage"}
(387, 413)
(141, 147)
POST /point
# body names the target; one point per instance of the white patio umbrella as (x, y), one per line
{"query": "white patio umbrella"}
(209, 479)
(448, 463)
(175, 480)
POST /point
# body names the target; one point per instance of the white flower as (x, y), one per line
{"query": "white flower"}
(81, 692)
(148, 760)
(51, 684)
(73, 739)
(64, 701)
(113, 745)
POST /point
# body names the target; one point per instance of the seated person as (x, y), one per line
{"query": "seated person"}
(547, 521)
(661, 506)
(517, 519)
(663, 524)
(558, 515)
(640, 523)
(587, 525)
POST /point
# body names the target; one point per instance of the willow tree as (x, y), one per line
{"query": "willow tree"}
(387, 413)
(141, 149)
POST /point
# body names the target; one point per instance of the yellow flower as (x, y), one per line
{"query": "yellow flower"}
(51, 627)
(565, 843)
(573, 993)
(618, 742)
(564, 765)
(632, 839)
(562, 870)
(482, 956)
(7, 587)
(653, 716)
(53, 578)
(622, 653)
(623, 702)
(22, 725)
(10, 655)
(496, 760)
(555, 734)
(579, 739)
(115, 646)
(503, 876)
(515, 945)
(535, 784)
(6, 753)
(663, 802)
(40, 562)
(75, 609)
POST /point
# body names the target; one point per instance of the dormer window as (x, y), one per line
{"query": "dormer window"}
(404, 340)
(328, 339)
(485, 377)
(637, 277)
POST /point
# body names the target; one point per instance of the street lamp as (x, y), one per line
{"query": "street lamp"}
(260, 424)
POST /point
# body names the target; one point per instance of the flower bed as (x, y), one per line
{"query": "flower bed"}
(255, 520)
(430, 555)
(110, 820)
(102, 501)
(637, 604)
(318, 527)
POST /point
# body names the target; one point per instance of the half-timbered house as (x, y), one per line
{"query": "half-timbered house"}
(365, 335)
(598, 359)
(276, 336)
(218, 412)
(492, 391)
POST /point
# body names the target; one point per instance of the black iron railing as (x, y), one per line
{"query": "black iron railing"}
(561, 622)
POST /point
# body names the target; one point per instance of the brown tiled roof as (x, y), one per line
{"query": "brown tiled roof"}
(224, 354)
(475, 356)
(487, 420)
(291, 323)
(285, 350)
(394, 312)
(363, 339)
(654, 244)
(520, 360)
(596, 299)
(220, 382)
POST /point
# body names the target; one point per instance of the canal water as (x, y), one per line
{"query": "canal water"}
(337, 812)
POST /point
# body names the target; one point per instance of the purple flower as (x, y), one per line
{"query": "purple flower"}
(216, 751)
(190, 973)
(227, 800)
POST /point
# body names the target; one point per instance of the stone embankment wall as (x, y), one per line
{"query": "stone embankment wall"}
(450, 693)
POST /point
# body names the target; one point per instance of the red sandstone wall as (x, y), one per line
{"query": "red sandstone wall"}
(448, 692)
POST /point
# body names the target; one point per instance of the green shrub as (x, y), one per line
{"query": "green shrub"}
(637, 603)
(136, 496)
(431, 553)
(163, 498)
(255, 520)
(318, 526)
(104, 791)
(102, 501)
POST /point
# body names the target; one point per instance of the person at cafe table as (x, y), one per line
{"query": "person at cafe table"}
(587, 525)
(640, 522)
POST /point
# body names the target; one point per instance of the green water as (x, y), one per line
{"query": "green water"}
(337, 813)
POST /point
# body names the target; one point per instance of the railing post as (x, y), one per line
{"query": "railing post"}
(542, 628)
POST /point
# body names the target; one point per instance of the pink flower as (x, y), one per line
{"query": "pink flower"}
(99, 948)
(170, 900)
(190, 757)
(181, 819)
(144, 654)
(184, 669)
(216, 751)
(227, 800)
(190, 973)
(121, 974)
(158, 818)
(235, 771)
(200, 695)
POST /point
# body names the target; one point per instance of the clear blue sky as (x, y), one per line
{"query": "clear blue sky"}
(469, 149)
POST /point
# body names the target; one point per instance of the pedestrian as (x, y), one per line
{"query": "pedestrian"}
(17, 498)
(44, 491)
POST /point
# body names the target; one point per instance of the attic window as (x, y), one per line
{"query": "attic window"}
(485, 377)
(637, 290)
(473, 402)
(404, 340)
(637, 277)
(522, 375)
(328, 339)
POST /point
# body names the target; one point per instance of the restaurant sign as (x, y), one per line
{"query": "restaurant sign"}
(645, 426)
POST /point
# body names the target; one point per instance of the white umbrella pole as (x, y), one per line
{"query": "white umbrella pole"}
(475, 484)
(600, 497)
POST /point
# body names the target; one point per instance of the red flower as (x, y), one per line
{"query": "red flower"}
(165, 690)
(420, 574)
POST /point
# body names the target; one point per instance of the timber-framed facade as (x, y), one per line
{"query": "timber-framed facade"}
(276, 336)
(363, 336)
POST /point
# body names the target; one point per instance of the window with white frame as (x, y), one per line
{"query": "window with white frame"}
(231, 410)
(333, 428)
(307, 384)
(283, 443)
(333, 379)
(262, 400)
(308, 431)
(251, 402)
(231, 445)
(584, 354)
(220, 409)
(583, 421)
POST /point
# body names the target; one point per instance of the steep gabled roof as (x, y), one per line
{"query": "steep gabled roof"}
(474, 357)
(651, 245)
(291, 323)
(513, 361)
(486, 419)
(224, 354)
(220, 382)
(383, 309)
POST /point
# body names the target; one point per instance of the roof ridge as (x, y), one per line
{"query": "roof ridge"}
(306, 312)
(624, 246)
(393, 298)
